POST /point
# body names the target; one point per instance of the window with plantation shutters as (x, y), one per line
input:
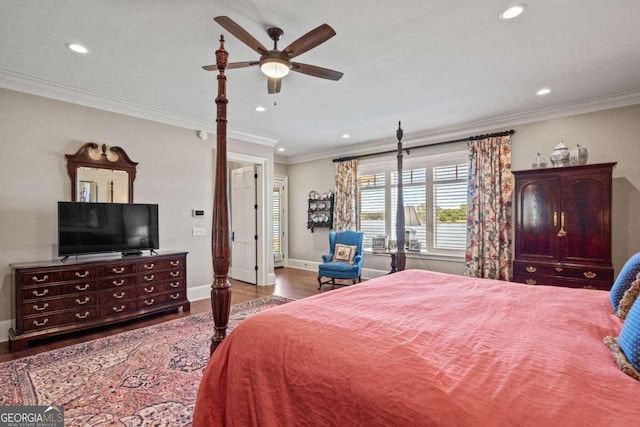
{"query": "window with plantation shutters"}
(436, 186)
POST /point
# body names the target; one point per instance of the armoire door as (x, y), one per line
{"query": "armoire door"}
(586, 210)
(536, 225)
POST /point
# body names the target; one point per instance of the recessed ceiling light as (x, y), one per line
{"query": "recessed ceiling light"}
(280, 149)
(346, 135)
(543, 91)
(259, 108)
(77, 48)
(512, 11)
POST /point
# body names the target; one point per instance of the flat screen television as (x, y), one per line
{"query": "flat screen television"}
(89, 228)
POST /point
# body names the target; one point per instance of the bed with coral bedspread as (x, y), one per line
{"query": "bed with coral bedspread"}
(424, 348)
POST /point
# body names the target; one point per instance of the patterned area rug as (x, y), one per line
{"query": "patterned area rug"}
(147, 376)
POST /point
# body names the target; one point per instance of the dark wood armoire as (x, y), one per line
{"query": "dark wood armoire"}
(563, 226)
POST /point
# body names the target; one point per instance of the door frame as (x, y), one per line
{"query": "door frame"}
(264, 228)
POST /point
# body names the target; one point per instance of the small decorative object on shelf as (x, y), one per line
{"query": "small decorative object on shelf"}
(578, 156)
(320, 210)
(539, 162)
(393, 245)
(414, 245)
(560, 155)
(379, 243)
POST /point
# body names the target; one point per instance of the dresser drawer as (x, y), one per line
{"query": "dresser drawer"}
(161, 264)
(116, 282)
(59, 318)
(159, 299)
(114, 296)
(116, 308)
(48, 305)
(159, 276)
(155, 288)
(586, 273)
(54, 290)
(123, 269)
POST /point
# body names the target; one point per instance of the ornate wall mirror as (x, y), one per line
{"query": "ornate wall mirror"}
(101, 175)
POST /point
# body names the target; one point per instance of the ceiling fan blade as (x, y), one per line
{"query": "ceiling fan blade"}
(232, 65)
(241, 34)
(273, 85)
(310, 40)
(315, 71)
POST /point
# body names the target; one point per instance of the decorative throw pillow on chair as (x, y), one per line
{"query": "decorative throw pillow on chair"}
(344, 253)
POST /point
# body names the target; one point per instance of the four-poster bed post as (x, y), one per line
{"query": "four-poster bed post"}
(401, 257)
(221, 288)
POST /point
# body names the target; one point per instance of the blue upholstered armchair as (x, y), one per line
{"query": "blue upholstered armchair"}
(345, 259)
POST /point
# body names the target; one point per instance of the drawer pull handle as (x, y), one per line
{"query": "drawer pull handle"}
(81, 275)
(149, 266)
(44, 322)
(174, 285)
(149, 290)
(589, 274)
(589, 287)
(149, 302)
(86, 300)
(82, 288)
(82, 316)
(117, 270)
(44, 278)
(149, 278)
(174, 273)
(118, 310)
(174, 263)
(176, 296)
(119, 296)
(40, 294)
(120, 283)
(531, 269)
(530, 282)
(44, 307)
(559, 269)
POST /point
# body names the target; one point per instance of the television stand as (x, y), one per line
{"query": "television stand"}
(131, 253)
(55, 297)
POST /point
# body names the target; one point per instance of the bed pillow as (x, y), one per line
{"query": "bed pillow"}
(626, 348)
(344, 253)
(625, 279)
(629, 297)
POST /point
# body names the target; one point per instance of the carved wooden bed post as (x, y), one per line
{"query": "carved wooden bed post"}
(401, 256)
(221, 288)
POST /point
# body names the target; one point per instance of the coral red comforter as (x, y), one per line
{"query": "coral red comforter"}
(423, 348)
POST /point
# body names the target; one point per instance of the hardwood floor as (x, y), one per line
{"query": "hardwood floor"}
(290, 282)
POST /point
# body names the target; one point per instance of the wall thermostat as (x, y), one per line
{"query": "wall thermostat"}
(197, 213)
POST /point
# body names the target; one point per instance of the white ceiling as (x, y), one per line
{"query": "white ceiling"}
(438, 65)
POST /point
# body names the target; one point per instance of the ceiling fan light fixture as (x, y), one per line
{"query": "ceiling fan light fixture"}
(275, 67)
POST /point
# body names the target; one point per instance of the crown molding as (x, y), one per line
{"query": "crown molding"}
(48, 89)
(42, 87)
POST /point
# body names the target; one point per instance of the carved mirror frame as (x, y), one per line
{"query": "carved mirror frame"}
(82, 158)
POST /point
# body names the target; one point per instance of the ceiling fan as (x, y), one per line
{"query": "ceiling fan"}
(275, 63)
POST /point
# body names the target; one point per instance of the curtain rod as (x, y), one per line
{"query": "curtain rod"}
(407, 149)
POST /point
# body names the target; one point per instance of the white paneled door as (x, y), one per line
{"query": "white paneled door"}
(243, 225)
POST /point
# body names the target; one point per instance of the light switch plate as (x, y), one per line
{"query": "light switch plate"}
(198, 231)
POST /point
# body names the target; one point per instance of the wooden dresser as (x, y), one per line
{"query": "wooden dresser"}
(563, 226)
(55, 297)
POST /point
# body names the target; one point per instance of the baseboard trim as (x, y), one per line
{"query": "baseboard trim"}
(195, 293)
(4, 330)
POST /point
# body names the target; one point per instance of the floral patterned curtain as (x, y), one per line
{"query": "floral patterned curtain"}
(345, 196)
(489, 216)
